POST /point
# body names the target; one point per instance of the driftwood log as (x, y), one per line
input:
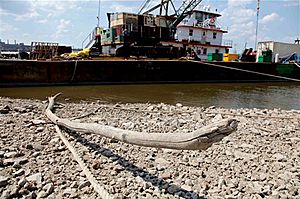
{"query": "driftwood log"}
(196, 140)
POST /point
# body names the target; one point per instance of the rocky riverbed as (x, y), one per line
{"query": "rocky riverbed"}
(260, 160)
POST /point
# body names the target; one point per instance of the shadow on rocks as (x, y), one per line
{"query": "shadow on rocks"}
(136, 171)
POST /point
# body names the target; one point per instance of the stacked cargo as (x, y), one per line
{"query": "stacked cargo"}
(144, 29)
(230, 57)
(215, 57)
(266, 56)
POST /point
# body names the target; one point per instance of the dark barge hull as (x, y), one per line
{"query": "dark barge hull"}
(45, 73)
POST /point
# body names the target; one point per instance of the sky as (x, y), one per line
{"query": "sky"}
(69, 22)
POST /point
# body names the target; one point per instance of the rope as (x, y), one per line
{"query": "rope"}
(248, 71)
(74, 71)
(100, 190)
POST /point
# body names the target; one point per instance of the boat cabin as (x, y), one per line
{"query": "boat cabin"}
(201, 32)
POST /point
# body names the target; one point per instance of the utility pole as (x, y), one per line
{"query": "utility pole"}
(257, 17)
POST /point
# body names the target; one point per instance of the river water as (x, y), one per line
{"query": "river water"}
(246, 95)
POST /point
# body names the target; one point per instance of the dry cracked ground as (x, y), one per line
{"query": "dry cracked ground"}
(260, 160)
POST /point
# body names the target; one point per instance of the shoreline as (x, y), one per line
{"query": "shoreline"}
(260, 159)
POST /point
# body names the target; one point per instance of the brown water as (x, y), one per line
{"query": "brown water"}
(254, 95)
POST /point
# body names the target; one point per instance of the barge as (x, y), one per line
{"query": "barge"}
(80, 72)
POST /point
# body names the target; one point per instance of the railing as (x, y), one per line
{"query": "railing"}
(86, 43)
(227, 43)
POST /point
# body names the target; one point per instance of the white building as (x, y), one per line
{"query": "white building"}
(200, 32)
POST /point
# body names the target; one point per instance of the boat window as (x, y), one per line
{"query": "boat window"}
(191, 32)
(204, 51)
(214, 35)
(203, 33)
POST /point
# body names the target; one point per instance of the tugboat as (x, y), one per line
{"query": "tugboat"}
(187, 32)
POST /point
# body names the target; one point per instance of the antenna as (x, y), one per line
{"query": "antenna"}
(98, 17)
(257, 16)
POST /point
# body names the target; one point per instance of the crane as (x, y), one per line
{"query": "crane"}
(179, 14)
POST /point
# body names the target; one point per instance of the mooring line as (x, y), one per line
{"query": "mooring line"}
(97, 187)
(248, 71)
(74, 71)
(297, 64)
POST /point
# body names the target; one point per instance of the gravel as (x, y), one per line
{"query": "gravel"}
(260, 160)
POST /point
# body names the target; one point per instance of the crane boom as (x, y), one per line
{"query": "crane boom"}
(180, 13)
(143, 6)
(183, 10)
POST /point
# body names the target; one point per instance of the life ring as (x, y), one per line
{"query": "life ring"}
(212, 20)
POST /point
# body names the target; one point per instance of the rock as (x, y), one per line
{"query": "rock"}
(37, 122)
(38, 147)
(294, 139)
(69, 191)
(173, 189)
(29, 146)
(244, 145)
(19, 172)
(30, 186)
(49, 188)
(257, 187)
(3, 181)
(37, 178)
(40, 129)
(5, 109)
(121, 182)
(31, 195)
(150, 108)
(74, 185)
(166, 175)
(279, 157)
(186, 187)
(221, 183)
(42, 194)
(22, 182)
(96, 164)
(218, 117)
(246, 156)
(2, 154)
(11, 154)
(6, 194)
(20, 109)
(35, 154)
(54, 140)
(178, 105)
(162, 162)
(84, 184)
(195, 196)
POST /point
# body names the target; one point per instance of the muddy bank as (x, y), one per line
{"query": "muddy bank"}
(259, 160)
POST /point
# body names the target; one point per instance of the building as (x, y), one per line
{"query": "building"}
(15, 47)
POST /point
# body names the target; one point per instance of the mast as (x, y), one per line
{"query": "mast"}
(98, 17)
(257, 16)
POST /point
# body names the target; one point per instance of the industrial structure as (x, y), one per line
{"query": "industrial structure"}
(170, 32)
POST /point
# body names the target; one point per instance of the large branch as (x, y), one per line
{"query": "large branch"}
(199, 139)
